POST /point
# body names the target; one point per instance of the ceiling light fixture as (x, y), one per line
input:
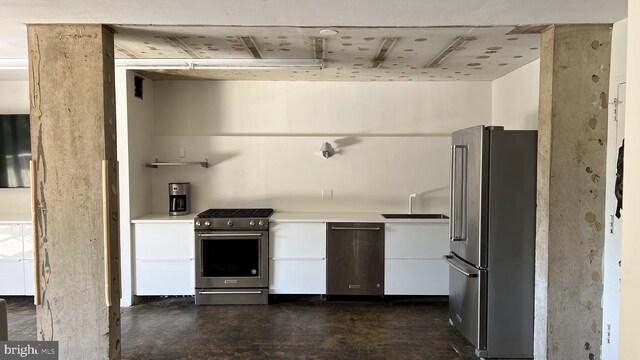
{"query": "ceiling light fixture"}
(327, 150)
(328, 32)
(387, 44)
(219, 64)
(455, 45)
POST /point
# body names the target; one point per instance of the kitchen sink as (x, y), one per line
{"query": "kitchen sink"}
(415, 216)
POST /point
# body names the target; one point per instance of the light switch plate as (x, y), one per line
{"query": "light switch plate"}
(182, 152)
(327, 194)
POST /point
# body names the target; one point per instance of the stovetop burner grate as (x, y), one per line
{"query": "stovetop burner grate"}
(236, 213)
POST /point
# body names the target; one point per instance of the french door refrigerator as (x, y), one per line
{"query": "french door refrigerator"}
(492, 239)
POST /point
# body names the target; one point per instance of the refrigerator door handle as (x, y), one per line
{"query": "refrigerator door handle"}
(448, 259)
(454, 224)
(452, 193)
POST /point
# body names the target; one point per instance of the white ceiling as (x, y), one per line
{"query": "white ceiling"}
(377, 13)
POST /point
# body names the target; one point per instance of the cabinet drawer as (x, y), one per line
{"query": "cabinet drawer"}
(416, 277)
(297, 240)
(164, 241)
(157, 277)
(416, 241)
(11, 246)
(297, 276)
(11, 277)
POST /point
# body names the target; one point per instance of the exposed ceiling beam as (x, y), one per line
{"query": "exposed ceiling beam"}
(527, 29)
(184, 47)
(125, 53)
(387, 44)
(251, 46)
(318, 47)
(455, 45)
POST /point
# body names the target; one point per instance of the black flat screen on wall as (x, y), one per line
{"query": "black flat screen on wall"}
(15, 151)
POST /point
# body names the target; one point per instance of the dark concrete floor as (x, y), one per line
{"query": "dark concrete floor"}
(291, 327)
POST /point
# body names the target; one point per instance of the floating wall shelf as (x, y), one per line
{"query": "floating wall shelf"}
(156, 164)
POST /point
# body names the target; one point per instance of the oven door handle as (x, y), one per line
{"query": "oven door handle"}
(229, 235)
(202, 292)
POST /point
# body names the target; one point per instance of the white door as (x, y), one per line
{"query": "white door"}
(613, 237)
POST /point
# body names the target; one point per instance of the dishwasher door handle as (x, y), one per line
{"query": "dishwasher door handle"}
(356, 228)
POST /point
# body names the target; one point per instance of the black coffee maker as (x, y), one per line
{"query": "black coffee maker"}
(179, 202)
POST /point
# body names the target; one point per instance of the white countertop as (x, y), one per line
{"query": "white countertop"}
(343, 217)
(164, 218)
(294, 217)
(14, 218)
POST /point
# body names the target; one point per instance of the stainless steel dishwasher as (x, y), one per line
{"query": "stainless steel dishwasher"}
(355, 259)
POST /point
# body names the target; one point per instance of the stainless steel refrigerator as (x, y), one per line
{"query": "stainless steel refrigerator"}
(492, 239)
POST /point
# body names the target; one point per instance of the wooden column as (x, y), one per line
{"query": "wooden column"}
(572, 124)
(73, 135)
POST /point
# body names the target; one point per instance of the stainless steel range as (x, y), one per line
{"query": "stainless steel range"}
(232, 252)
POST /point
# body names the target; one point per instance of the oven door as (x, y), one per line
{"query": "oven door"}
(232, 259)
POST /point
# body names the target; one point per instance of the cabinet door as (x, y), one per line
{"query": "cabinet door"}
(164, 241)
(416, 277)
(297, 276)
(11, 246)
(28, 277)
(11, 277)
(158, 277)
(297, 240)
(416, 240)
(27, 237)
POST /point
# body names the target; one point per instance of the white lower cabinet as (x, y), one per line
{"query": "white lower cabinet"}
(306, 276)
(12, 277)
(413, 259)
(297, 253)
(165, 254)
(28, 277)
(416, 277)
(165, 277)
(16, 259)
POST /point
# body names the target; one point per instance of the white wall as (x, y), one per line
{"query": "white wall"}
(612, 244)
(14, 99)
(630, 270)
(134, 127)
(140, 118)
(515, 98)
(263, 139)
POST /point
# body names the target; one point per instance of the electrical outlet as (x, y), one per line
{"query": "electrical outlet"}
(182, 152)
(327, 194)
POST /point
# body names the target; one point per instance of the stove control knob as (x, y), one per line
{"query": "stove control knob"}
(229, 223)
(207, 223)
(261, 223)
(198, 223)
(252, 223)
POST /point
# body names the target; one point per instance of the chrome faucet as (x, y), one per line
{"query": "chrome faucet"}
(411, 197)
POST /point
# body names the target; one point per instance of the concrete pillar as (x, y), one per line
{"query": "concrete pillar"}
(630, 265)
(71, 75)
(572, 125)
